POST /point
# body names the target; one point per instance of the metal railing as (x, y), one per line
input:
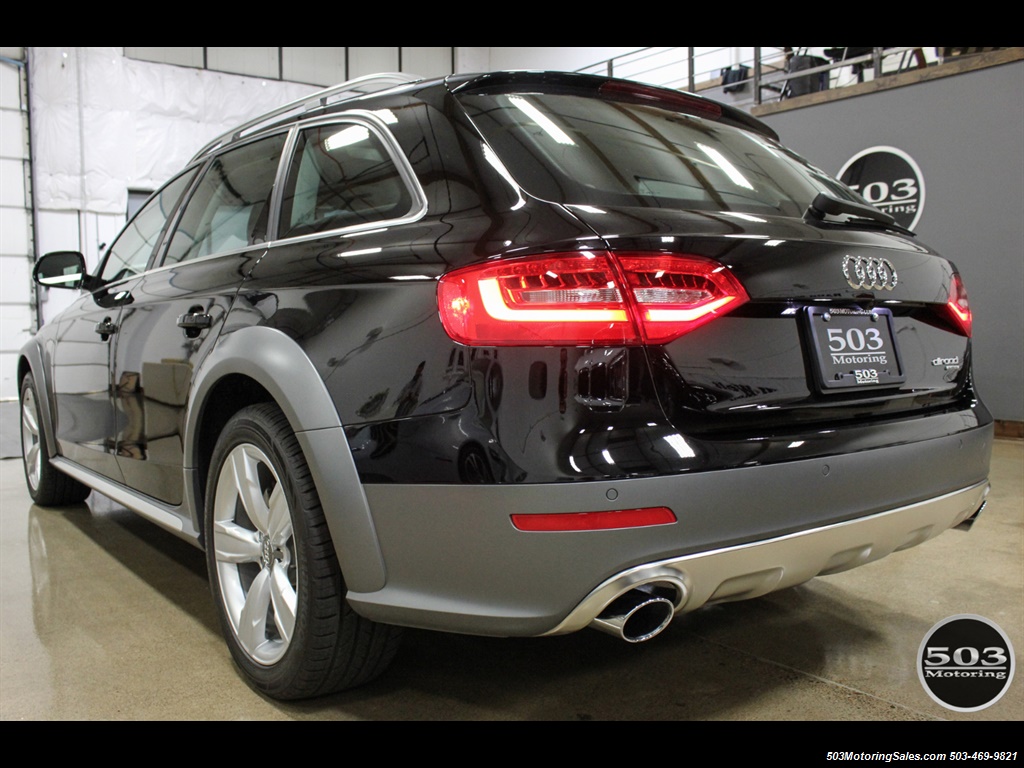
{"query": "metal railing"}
(764, 74)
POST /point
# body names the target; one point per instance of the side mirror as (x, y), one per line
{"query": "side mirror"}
(61, 269)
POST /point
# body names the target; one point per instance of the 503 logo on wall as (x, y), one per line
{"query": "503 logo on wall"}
(890, 180)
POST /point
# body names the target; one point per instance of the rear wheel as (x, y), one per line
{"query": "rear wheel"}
(273, 570)
(47, 485)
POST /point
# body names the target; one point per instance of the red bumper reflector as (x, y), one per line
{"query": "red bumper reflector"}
(595, 521)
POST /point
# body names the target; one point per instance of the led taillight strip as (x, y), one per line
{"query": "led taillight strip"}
(496, 307)
(687, 315)
(585, 299)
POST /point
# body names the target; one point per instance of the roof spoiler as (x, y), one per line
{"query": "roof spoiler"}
(611, 88)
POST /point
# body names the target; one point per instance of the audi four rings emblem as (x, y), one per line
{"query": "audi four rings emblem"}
(870, 273)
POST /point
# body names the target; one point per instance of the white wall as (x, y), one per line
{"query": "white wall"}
(17, 311)
(103, 123)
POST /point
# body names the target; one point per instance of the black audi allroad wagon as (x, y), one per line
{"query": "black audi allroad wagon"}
(509, 354)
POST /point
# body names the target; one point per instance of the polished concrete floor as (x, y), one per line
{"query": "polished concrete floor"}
(103, 616)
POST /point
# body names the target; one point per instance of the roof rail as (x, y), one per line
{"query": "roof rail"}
(358, 86)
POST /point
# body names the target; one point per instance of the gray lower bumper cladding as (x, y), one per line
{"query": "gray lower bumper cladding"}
(454, 561)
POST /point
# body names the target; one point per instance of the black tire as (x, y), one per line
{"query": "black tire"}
(47, 485)
(268, 548)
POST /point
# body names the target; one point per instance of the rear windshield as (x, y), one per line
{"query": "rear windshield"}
(592, 151)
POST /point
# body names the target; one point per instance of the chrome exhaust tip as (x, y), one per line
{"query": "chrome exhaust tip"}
(638, 615)
(965, 525)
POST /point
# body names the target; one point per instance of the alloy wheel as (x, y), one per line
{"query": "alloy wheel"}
(30, 444)
(253, 546)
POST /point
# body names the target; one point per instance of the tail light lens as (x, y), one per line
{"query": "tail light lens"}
(585, 299)
(565, 299)
(675, 294)
(958, 307)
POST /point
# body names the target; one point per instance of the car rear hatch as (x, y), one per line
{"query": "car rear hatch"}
(832, 325)
(760, 312)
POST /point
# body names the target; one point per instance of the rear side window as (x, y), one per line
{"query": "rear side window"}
(230, 208)
(341, 176)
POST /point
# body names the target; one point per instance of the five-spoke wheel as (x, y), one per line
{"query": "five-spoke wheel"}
(253, 548)
(46, 485)
(273, 569)
(30, 447)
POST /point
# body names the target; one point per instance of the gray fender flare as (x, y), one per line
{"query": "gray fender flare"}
(33, 357)
(280, 366)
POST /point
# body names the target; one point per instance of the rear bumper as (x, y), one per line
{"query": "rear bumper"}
(454, 562)
(752, 570)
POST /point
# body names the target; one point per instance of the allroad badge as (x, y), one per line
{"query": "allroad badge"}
(869, 273)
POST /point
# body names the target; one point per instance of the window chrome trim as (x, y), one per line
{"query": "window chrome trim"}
(417, 208)
(257, 251)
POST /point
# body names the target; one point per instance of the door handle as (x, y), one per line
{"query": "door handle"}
(105, 328)
(193, 322)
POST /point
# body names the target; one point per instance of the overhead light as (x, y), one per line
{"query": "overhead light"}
(542, 120)
(347, 136)
(730, 170)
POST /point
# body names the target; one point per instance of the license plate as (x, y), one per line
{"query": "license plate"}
(854, 348)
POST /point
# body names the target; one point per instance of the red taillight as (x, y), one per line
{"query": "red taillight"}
(579, 299)
(959, 308)
(594, 521)
(675, 294)
(566, 299)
